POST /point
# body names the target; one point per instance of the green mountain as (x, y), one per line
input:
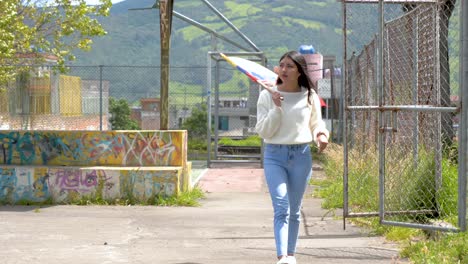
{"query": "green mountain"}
(274, 26)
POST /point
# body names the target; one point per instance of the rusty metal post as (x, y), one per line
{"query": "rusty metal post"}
(165, 22)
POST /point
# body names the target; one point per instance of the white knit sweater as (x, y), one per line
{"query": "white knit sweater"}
(295, 122)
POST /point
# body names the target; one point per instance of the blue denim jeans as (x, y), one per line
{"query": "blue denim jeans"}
(288, 169)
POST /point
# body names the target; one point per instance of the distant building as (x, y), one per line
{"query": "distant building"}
(148, 114)
(91, 96)
(42, 99)
(329, 89)
(233, 116)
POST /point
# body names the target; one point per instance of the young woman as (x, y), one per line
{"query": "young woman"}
(289, 119)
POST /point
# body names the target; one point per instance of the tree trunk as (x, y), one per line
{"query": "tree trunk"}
(165, 20)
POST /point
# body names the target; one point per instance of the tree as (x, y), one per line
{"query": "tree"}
(53, 27)
(120, 115)
(196, 124)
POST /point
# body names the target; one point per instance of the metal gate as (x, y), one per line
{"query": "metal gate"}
(402, 80)
(241, 117)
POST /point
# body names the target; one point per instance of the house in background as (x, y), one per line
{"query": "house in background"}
(233, 116)
(148, 114)
(91, 96)
(40, 98)
(328, 80)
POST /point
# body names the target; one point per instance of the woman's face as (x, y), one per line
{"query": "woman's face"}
(288, 71)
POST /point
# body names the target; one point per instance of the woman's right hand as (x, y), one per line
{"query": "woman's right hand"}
(277, 98)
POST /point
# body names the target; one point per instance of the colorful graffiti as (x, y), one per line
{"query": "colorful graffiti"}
(24, 184)
(67, 184)
(61, 185)
(65, 166)
(144, 184)
(7, 184)
(93, 148)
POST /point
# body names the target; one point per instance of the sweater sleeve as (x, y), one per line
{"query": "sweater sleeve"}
(268, 116)
(316, 124)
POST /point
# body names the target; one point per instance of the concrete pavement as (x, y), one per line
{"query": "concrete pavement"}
(233, 225)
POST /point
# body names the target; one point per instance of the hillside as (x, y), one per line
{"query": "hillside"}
(274, 26)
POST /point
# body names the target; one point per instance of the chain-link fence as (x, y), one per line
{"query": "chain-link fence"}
(239, 122)
(126, 97)
(402, 88)
(232, 117)
(39, 97)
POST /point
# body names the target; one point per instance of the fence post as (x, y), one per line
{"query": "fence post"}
(463, 124)
(344, 104)
(208, 102)
(100, 97)
(415, 92)
(380, 85)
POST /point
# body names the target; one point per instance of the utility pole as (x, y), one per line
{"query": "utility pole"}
(165, 22)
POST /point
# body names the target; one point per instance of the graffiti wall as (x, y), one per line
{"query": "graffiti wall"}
(62, 185)
(94, 148)
(66, 166)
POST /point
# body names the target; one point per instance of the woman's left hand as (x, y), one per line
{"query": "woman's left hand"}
(322, 142)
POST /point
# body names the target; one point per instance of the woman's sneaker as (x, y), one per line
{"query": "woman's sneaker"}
(283, 260)
(291, 260)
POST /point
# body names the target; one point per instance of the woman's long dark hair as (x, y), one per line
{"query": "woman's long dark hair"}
(301, 64)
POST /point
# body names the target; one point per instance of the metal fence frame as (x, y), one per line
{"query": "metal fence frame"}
(381, 109)
(213, 89)
(463, 131)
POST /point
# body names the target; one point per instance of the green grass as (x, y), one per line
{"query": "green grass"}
(282, 8)
(188, 198)
(416, 244)
(314, 25)
(197, 144)
(251, 141)
(47, 201)
(187, 4)
(197, 147)
(181, 88)
(239, 84)
(240, 10)
(320, 4)
(191, 33)
(451, 248)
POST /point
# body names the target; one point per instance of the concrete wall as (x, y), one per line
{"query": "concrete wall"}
(22, 184)
(94, 148)
(66, 166)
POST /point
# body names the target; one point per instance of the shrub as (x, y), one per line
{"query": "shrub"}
(251, 141)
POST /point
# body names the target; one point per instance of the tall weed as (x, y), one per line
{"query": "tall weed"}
(410, 184)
